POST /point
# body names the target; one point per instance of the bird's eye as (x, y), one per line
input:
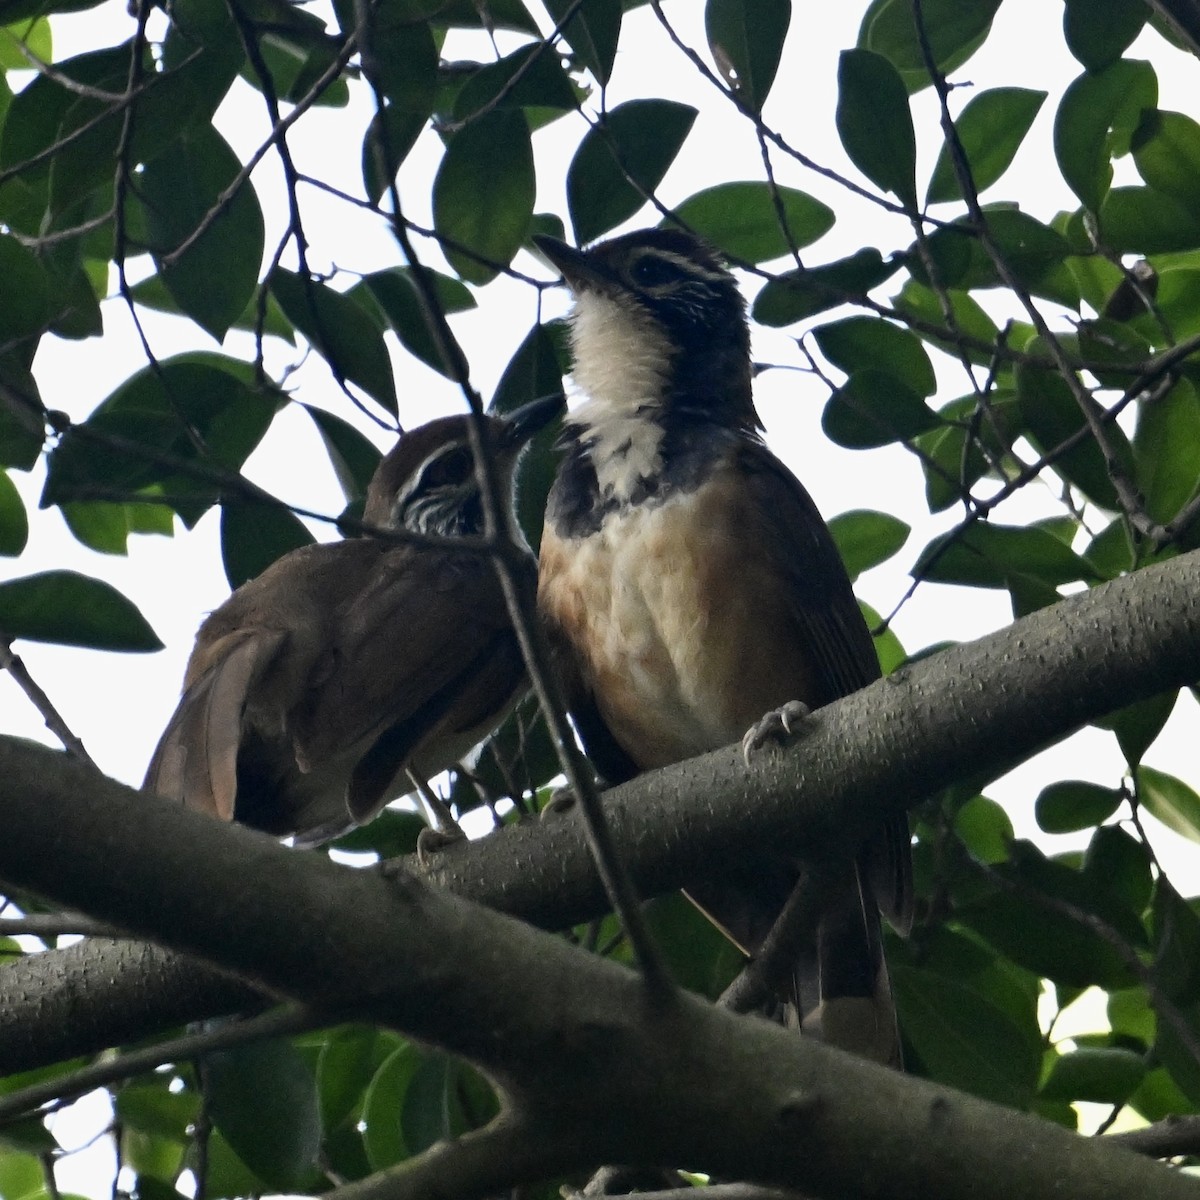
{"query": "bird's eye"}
(651, 271)
(449, 469)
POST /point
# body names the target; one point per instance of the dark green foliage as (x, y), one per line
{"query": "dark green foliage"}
(914, 334)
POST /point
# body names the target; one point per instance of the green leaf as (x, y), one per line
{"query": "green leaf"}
(697, 955)
(535, 370)
(1130, 1015)
(592, 33)
(531, 78)
(953, 457)
(862, 343)
(1166, 149)
(804, 293)
(1117, 866)
(153, 293)
(1034, 252)
(390, 835)
(1177, 299)
(21, 1176)
(335, 326)
(498, 14)
(214, 279)
(1098, 31)
(353, 457)
(1166, 449)
(746, 39)
(967, 320)
(14, 523)
(963, 1039)
(985, 829)
(1177, 1054)
(1040, 937)
(157, 1110)
(278, 1140)
(26, 308)
(1051, 415)
(875, 125)
(405, 58)
(100, 526)
(1099, 1075)
(743, 219)
(1137, 725)
(865, 538)
(1160, 1096)
(991, 129)
(1139, 220)
(888, 648)
(198, 408)
(383, 1107)
(955, 29)
(483, 194)
(873, 409)
(391, 134)
(1176, 931)
(1073, 804)
(1111, 551)
(253, 536)
(73, 610)
(445, 1099)
(395, 292)
(21, 422)
(1094, 107)
(348, 1060)
(987, 554)
(34, 35)
(1170, 800)
(623, 156)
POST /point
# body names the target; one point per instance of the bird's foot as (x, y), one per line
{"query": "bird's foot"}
(561, 801)
(776, 726)
(431, 843)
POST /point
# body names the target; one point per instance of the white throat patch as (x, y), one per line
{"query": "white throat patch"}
(622, 363)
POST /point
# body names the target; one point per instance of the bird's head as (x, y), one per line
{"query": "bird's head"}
(427, 483)
(658, 321)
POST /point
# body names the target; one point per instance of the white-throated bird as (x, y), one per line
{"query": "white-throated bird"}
(689, 585)
(317, 686)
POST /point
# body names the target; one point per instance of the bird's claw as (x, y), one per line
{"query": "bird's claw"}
(431, 842)
(776, 726)
(561, 801)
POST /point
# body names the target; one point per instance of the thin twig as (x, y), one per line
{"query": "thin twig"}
(12, 663)
(1170, 1138)
(281, 1022)
(48, 925)
(510, 557)
(1131, 501)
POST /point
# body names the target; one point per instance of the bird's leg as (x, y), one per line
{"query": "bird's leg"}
(444, 829)
(562, 800)
(776, 726)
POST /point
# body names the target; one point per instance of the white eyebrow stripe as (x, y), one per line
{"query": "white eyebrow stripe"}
(689, 265)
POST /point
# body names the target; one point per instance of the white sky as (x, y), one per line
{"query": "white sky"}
(118, 703)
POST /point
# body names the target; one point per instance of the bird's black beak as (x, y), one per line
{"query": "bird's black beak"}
(519, 425)
(578, 268)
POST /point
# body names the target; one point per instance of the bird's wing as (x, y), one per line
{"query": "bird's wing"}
(469, 704)
(402, 651)
(829, 623)
(195, 761)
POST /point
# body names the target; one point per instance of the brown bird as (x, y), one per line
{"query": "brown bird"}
(316, 688)
(689, 585)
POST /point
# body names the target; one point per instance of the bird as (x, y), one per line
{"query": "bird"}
(320, 688)
(692, 595)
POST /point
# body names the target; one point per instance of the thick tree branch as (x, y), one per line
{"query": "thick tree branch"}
(592, 1068)
(973, 708)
